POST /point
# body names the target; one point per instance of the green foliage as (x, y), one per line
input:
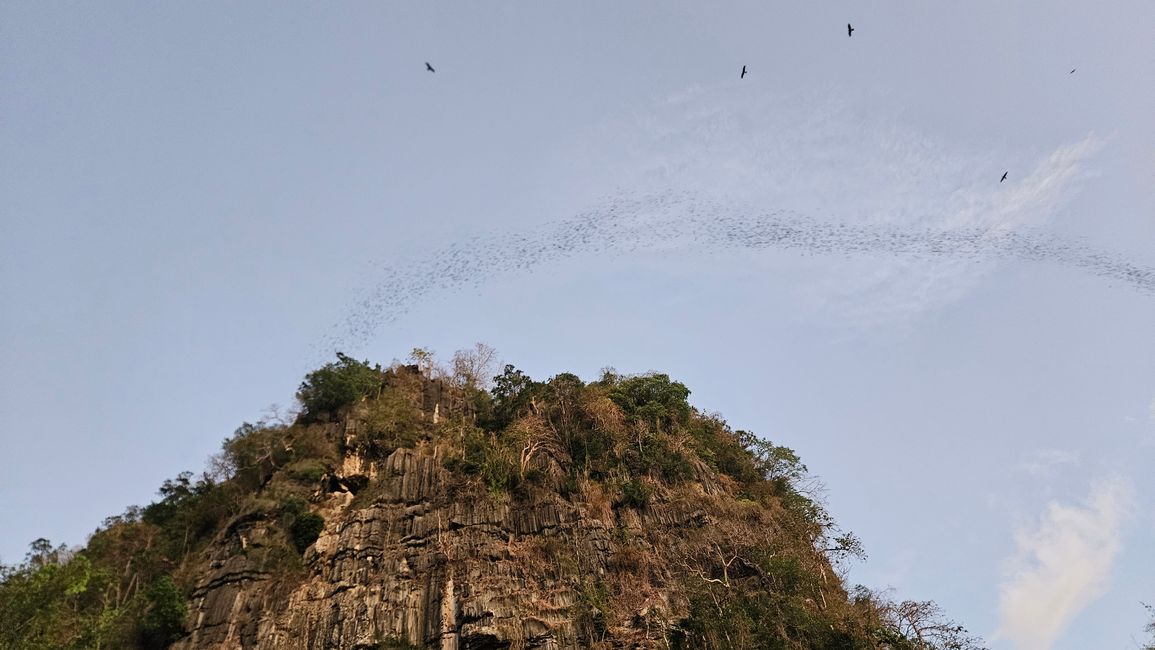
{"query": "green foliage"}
(622, 442)
(165, 614)
(392, 420)
(187, 512)
(636, 494)
(176, 494)
(513, 392)
(38, 600)
(337, 385)
(592, 606)
(653, 399)
(770, 605)
(308, 470)
(294, 506)
(671, 465)
(255, 452)
(724, 450)
(485, 457)
(592, 450)
(777, 464)
(305, 530)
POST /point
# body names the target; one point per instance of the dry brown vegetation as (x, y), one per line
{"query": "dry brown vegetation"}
(696, 535)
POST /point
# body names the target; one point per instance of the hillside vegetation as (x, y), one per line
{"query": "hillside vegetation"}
(753, 564)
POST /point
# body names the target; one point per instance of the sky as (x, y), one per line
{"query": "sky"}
(200, 202)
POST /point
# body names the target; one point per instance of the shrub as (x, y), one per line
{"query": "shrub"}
(724, 450)
(636, 494)
(671, 465)
(337, 385)
(393, 420)
(164, 620)
(306, 471)
(487, 458)
(188, 512)
(294, 506)
(305, 530)
(653, 399)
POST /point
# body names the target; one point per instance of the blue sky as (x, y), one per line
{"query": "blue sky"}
(196, 201)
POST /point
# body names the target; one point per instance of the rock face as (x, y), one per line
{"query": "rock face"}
(402, 511)
(423, 558)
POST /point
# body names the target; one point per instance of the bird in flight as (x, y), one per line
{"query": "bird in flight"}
(1072, 71)
(849, 30)
(429, 67)
(743, 75)
(1004, 177)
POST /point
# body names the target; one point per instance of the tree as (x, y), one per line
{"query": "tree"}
(41, 601)
(775, 463)
(916, 625)
(254, 452)
(1150, 628)
(337, 385)
(653, 399)
(513, 392)
(164, 620)
(474, 368)
(425, 361)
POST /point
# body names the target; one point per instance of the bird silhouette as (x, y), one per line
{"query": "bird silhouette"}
(743, 75)
(1004, 177)
(849, 30)
(1072, 71)
(429, 67)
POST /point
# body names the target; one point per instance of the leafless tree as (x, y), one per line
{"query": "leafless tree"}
(276, 415)
(475, 367)
(923, 624)
(425, 360)
(1150, 629)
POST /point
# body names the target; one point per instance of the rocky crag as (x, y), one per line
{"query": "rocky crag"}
(411, 508)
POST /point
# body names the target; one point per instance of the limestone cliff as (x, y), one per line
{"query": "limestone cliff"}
(412, 551)
(402, 509)
(433, 562)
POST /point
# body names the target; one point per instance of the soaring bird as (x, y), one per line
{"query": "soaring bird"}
(429, 67)
(849, 30)
(1004, 177)
(743, 75)
(1072, 71)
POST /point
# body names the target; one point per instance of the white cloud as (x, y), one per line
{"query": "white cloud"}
(1062, 564)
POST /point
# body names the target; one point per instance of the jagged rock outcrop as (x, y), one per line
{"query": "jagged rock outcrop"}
(416, 560)
(415, 554)
(403, 510)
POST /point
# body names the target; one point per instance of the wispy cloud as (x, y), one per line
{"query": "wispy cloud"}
(898, 289)
(1063, 563)
(1044, 463)
(905, 223)
(825, 157)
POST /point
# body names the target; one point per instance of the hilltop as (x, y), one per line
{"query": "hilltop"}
(414, 506)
